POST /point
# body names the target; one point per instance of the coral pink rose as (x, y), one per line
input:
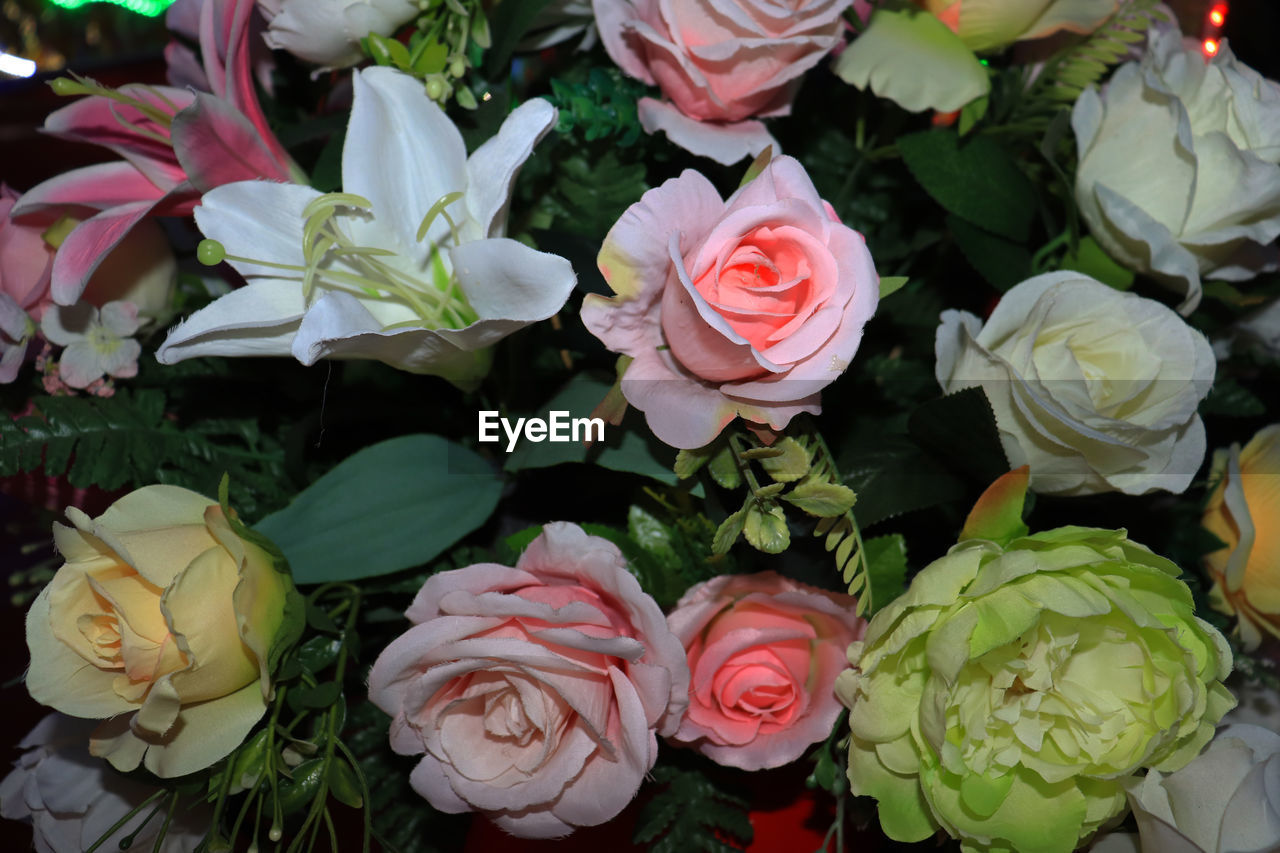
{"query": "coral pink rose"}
(747, 307)
(533, 693)
(719, 63)
(764, 652)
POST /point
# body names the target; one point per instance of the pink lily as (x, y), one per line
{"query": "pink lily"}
(176, 144)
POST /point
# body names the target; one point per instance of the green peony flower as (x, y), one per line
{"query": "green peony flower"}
(1011, 690)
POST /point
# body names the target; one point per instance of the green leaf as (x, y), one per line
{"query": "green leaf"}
(976, 180)
(767, 531)
(1003, 263)
(388, 507)
(728, 531)
(790, 464)
(757, 166)
(891, 284)
(1090, 259)
(690, 814)
(1230, 399)
(895, 477)
(997, 514)
(126, 440)
(886, 568)
(972, 113)
(507, 28)
(301, 787)
(960, 429)
(724, 469)
(344, 784)
(822, 499)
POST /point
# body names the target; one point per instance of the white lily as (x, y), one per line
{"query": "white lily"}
(408, 265)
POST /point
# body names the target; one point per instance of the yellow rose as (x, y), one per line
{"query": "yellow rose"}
(1244, 512)
(160, 622)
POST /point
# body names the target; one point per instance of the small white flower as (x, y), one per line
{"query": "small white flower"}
(95, 342)
(408, 265)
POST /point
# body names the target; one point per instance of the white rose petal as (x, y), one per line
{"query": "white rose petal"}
(1095, 389)
(1179, 173)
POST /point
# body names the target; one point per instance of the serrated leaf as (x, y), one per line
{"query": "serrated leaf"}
(728, 531)
(724, 469)
(690, 814)
(789, 464)
(688, 462)
(822, 499)
(960, 429)
(767, 531)
(976, 179)
(886, 558)
(1002, 262)
(766, 492)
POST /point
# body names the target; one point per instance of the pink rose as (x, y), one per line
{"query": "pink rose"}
(764, 652)
(719, 63)
(533, 693)
(747, 307)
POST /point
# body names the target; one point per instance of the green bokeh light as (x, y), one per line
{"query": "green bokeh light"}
(150, 8)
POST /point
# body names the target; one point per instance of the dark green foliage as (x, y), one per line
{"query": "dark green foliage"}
(690, 813)
(127, 441)
(974, 178)
(604, 106)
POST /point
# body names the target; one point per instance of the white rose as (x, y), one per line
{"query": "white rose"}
(1225, 801)
(1178, 171)
(328, 32)
(1095, 389)
(71, 798)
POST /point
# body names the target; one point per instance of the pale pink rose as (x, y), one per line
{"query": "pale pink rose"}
(720, 62)
(764, 652)
(533, 693)
(747, 307)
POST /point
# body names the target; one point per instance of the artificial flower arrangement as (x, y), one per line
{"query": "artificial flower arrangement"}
(552, 415)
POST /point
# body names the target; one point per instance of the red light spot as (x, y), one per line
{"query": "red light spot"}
(1218, 15)
(1210, 47)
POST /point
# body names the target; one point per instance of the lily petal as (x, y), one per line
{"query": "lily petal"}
(260, 219)
(402, 153)
(258, 319)
(99, 187)
(492, 169)
(217, 145)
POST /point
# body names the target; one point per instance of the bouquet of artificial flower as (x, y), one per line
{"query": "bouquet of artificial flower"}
(561, 416)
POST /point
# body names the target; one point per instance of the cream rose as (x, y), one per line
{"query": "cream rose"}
(160, 621)
(1179, 171)
(1095, 389)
